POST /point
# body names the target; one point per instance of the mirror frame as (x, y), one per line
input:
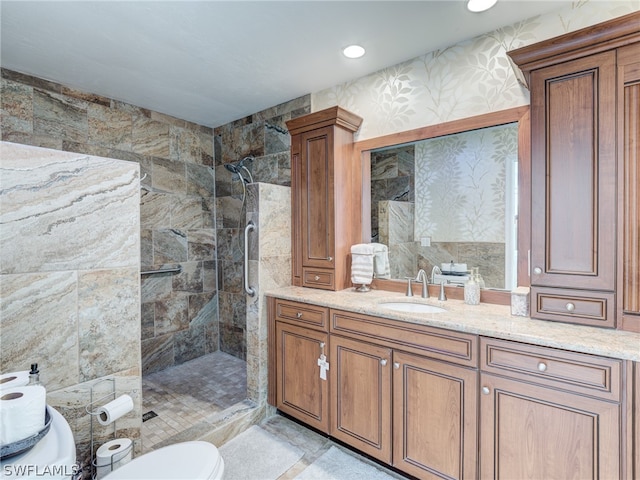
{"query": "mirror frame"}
(362, 153)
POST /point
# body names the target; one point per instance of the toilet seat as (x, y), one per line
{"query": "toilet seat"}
(195, 460)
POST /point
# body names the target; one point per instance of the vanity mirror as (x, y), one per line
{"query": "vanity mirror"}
(454, 191)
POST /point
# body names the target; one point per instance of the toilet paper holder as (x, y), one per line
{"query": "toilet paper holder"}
(93, 409)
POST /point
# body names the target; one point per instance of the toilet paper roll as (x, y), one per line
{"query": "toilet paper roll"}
(22, 412)
(115, 409)
(14, 379)
(112, 455)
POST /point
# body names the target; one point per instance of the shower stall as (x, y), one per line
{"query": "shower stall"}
(227, 383)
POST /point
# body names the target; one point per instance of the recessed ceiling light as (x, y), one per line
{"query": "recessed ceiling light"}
(353, 51)
(480, 5)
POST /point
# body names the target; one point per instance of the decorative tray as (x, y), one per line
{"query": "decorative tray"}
(16, 448)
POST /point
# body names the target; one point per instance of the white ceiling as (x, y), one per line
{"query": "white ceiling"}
(212, 62)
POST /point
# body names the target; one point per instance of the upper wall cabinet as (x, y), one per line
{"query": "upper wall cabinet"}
(326, 196)
(581, 247)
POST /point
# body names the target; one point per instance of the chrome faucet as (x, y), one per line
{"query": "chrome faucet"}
(435, 271)
(422, 277)
(409, 289)
(443, 296)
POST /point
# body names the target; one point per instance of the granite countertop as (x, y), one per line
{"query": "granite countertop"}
(485, 319)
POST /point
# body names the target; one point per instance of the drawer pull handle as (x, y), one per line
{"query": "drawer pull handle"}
(486, 391)
(383, 362)
(299, 315)
(396, 365)
(316, 278)
(537, 270)
(570, 307)
(542, 367)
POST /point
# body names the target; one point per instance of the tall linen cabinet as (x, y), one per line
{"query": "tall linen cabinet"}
(326, 196)
(585, 110)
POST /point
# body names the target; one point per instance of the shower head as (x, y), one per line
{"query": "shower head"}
(232, 168)
(239, 167)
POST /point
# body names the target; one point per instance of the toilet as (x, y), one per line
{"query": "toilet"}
(187, 460)
(54, 457)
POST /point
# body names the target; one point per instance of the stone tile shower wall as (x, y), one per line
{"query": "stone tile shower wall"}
(264, 137)
(269, 207)
(70, 256)
(179, 317)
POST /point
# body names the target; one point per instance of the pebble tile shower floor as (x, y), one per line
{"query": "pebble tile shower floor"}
(183, 395)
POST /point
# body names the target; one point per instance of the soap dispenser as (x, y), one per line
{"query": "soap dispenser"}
(478, 277)
(34, 375)
(471, 291)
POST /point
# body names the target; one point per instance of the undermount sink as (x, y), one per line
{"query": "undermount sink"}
(411, 307)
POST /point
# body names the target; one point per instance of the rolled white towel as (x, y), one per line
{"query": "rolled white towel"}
(361, 264)
(381, 267)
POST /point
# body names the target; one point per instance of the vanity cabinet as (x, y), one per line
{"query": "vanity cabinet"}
(299, 342)
(437, 403)
(435, 419)
(548, 413)
(326, 191)
(405, 394)
(582, 249)
(361, 403)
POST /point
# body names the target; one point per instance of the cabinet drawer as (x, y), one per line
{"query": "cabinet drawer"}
(460, 348)
(575, 372)
(585, 308)
(298, 313)
(316, 278)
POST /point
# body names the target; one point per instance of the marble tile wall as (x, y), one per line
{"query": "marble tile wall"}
(264, 137)
(69, 269)
(269, 207)
(395, 229)
(392, 178)
(177, 221)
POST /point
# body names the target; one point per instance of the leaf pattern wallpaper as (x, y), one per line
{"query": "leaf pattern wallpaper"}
(460, 183)
(470, 78)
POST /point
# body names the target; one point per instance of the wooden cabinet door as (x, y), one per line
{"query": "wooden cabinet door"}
(629, 181)
(534, 432)
(573, 168)
(361, 396)
(316, 196)
(301, 392)
(434, 418)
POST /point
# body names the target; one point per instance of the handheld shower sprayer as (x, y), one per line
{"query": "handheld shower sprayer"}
(239, 167)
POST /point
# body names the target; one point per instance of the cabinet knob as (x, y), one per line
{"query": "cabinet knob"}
(316, 278)
(537, 270)
(299, 315)
(383, 362)
(542, 366)
(570, 307)
(329, 259)
(486, 391)
(396, 365)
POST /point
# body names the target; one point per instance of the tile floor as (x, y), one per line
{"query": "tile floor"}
(312, 444)
(184, 395)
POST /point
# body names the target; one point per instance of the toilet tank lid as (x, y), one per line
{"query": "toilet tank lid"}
(186, 460)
